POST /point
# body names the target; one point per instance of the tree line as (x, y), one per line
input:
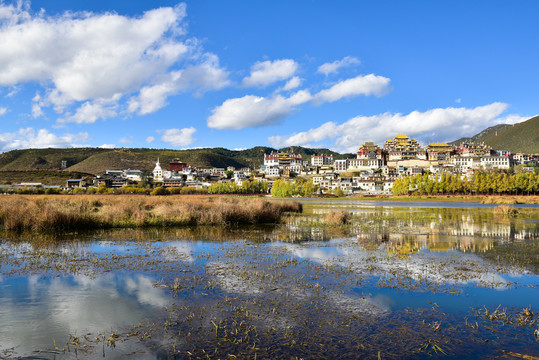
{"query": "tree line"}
(480, 183)
(299, 187)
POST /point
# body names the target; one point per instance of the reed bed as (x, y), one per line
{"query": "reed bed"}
(65, 213)
(505, 211)
(511, 200)
(337, 217)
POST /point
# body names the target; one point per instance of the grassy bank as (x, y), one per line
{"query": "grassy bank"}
(68, 213)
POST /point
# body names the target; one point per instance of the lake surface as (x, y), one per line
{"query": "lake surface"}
(401, 280)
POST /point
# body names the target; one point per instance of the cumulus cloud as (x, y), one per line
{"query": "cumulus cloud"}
(253, 111)
(150, 139)
(264, 73)
(179, 137)
(36, 111)
(360, 85)
(512, 119)
(3, 111)
(200, 78)
(333, 67)
(444, 124)
(89, 113)
(29, 138)
(86, 57)
(292, 83)
(107, 146)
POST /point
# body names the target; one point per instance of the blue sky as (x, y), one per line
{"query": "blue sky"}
(238, 74)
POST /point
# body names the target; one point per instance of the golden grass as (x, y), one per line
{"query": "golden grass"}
(505, 211)
(510, 200)
(337, 217)
(57, 213)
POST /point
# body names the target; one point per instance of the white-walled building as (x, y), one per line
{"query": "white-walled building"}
(340, 165)
(158, 171)
(273, 171)
(464, 162)
(496, 162)
(321, 160)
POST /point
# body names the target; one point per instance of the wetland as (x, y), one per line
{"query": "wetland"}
(385, 280)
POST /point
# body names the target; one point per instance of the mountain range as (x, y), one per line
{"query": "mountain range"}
(44, 165)
(518, 138)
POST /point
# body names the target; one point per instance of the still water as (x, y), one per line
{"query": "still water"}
(398, 281)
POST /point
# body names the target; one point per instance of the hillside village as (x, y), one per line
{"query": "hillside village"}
(373, 170)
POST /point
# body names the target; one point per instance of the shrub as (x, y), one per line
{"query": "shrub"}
(159, 191)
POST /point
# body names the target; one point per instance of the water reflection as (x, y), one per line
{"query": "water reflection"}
(34, 311)
(293, 290)
(418, 267)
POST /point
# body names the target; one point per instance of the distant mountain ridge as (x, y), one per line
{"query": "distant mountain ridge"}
(97, 160)
(519, 138)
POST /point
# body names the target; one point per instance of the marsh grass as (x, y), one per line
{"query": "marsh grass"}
(511, 200)
(64, 213)
(505, 211)
(337, 217)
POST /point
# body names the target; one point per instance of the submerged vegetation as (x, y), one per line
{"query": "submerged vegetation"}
(94, 212)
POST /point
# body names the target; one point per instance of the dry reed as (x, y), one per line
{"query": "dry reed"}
(506, 211)
(337, 217)
(19, 213)
(511, 200)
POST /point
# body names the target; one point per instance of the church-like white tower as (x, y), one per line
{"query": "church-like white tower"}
(157, 171)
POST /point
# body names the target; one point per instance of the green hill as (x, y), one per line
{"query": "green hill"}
(519, 138)
(96, 160)
(46, 177)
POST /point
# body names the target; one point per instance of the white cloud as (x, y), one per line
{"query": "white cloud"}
(89, 113)
(292, 83)
(179, 137)
(13, 92)
(107, 146)
(90, 57)
(442, 124)
(264, 73)
(333, 67)
(127, 140)
(512, 119)
(205, 76)
(36, 111)
(360, 85)
(3, 111)
(253, 111)
(28, 138)
(150, 139)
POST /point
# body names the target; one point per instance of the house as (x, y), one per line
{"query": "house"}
(496, 162)
(239, 178)
(135, 175)
(173, 182)
(321, 160)
(75, 183)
